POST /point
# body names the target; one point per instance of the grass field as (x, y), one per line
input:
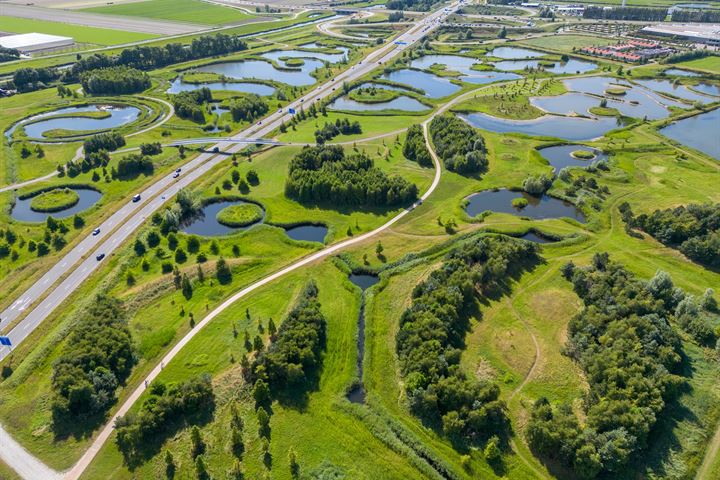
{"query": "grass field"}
(566, 43)
(193, 11)
(707, 64)
(81, 34)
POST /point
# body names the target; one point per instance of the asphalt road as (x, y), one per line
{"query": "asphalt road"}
(115, 22)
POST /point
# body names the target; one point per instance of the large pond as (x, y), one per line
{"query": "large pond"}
(514, 52)
(560, 156)
(432, 85)
(36, 128)
(558, 68)
(567, 128)
(178, 86)
(325, 57)
(699, 132)
(87, 198)
(463, 66)
(678, 72)
(538, 208)
(307, 233)
(677, 90)
(206, 224)
(402, 102)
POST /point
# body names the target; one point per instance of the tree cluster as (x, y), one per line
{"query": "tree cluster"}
(8, 54)
(134, 164)
(189, 105)
(626, 13)
(248, 108)
(696, 15)
(686, 55)
(103, 141)
(96, 358)
(151, 148)
(628, 350)
(31, 79)
(429, 343)
(332, 130)
(459, 145)
(415, 148)
(164, 407)
(295, 353)
(326, 174)
(693, 229)
(537, 185)
(115, 80)
(416, 5)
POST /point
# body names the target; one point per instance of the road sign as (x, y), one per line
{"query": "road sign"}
(400, 43)
(291, 111)
(5, 341)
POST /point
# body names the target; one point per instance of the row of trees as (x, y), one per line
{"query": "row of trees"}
(248, 108)
(628, 350)
(189, 105)
(429, 343)
(326, 174)
(96, 358)
(114, 81)
(693, 229)
(626, 13)
(459, 145)
(415, 148)
(140, 57)
(332, 130)
(295, 353)
(417, 5)
(698, 15)
(165, 406)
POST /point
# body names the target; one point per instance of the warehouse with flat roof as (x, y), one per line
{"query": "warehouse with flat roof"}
(35, 42)
(708, 33)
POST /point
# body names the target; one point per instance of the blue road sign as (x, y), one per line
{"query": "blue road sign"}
(5, 341)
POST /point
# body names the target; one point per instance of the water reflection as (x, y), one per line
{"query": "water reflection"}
(538, 208)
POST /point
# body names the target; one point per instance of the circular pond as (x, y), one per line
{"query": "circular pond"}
(561, 156)
(23, 211)
(500, 201)
(77, 120)
(206, 222)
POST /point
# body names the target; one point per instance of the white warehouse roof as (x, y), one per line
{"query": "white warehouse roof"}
(34, 41)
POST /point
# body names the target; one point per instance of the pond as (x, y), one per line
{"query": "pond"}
(699, 132)
(677, 90)
(264, 70)
(326, 57)
(206, 224)
(575, 103)
(535, 238)
(307, 233)
(514, 52)
(178, 86)
(402, 102)
(560, 156)
(558, 68)
(432, 85)
(364, 281)
(708, 89)
(21, 211)
(567, 128)
(36, 128)
(463, 66)
(677, 72)
(537, 208)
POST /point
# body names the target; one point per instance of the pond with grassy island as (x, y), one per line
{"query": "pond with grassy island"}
(25, 208)
(240, 215)
(54, 200)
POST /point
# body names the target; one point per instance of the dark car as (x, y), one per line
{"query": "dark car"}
(100, 257)
(136, 198)
(96, 231)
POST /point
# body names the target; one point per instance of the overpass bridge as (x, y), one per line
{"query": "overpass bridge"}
(214, 140)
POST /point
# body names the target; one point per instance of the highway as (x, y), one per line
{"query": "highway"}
(80, 262)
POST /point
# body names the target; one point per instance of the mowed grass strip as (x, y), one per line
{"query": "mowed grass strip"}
(709, 64)
(81, 34)
(193, 11)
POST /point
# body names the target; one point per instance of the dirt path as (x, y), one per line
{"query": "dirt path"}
(711, 454)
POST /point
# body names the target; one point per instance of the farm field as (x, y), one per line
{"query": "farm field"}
(80, 33)
(272, 251)
(194, 11)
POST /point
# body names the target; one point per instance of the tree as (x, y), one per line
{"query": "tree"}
(201, 472)
(187, 290)
(197, 444)
(237, 445)
(170, 467)
(294, 465)
(263, 422)
(139, 247)
(261, 392)
(502, 33)
(236, 471)
(222, 272)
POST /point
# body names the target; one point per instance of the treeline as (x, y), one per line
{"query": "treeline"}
(248, 108)
(415, 148)
(165, 407)
(189, 105)
(628, 350)
(96, 358)
(459, 145)
(140, 57)
(326, 174)
(114, 80)
(332, 130)
(8, 54)
(685, 56)
(417, 5)
(432, 331)
(295, 353)
(693, 229)
(626, 13)
(696, 15)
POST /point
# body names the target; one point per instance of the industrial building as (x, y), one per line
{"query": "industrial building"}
(708, 33)
(28, 43)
